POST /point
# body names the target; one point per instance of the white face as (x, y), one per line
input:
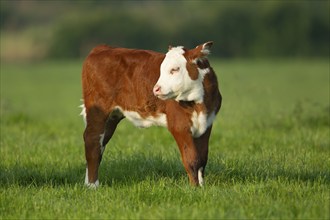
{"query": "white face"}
(174, 81)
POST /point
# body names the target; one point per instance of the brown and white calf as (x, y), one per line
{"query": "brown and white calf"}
(177, 90)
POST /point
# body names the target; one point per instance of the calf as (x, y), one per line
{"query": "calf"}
(177, 90)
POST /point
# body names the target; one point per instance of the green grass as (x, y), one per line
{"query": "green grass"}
(269, 150)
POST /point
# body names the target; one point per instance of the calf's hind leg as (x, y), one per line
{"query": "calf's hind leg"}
(99, 129)
(111, 124)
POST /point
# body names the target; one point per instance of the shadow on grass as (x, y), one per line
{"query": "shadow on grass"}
(39, 175)
(138, 168)
(126, 171)
(132, 170)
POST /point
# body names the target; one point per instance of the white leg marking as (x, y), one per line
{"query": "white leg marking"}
(83, 113)
(200, 176)
(87, 183)
(86, 177)
(91, 185)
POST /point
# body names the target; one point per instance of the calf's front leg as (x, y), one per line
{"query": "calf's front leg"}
(194, 153)
(202, 144)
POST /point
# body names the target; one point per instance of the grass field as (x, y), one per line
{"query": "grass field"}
(269, 150)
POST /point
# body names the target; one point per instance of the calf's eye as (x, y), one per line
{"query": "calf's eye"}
(174, 70)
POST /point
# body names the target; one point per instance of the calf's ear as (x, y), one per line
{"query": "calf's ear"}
(200, 51)
(206, 48)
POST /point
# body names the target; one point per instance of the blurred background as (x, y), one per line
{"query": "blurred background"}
(38, 30)
(269, 154)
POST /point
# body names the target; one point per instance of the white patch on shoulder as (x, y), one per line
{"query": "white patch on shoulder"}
(200, 122)
(139, 121)
(210, 119)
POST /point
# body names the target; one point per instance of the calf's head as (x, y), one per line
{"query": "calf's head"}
(180, 76)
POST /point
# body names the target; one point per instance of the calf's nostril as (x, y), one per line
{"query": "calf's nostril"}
(156, 89)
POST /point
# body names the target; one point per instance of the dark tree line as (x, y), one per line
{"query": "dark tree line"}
(238, 28)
